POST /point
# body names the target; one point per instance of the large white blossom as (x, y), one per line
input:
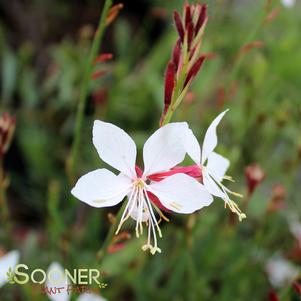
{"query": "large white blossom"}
(212, 165)
(161, 152)
(9, 260)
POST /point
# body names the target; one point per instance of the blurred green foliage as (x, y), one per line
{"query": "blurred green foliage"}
(206, 256)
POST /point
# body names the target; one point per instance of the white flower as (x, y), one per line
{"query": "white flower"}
(212, 165)
(295, 228)
(280, 271)
(161, 152)
(56, 278)
(59, 280)
(288, 3)
(9, 260)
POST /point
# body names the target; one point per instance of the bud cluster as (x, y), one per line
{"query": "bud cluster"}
(7, 129)
(186, 59)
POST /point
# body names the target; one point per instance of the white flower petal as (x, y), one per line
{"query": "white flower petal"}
(211, 186)
(210, 140)
(90, 297)
(192, 146)
(101, 188)
(135, 214)
(56, 279)
(115, 147)
(217, 166)
(165, 148)
(281, 272)
(181, 193)
(288, 3)
(9, 260)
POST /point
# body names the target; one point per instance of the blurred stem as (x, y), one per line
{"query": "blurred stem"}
(104, 249)
(85, 90)
(3, 199)
(55, 225)
(249, 39)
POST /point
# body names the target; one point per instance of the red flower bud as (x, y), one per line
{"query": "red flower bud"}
(194, 69)
(169, 84)
(201, 19)
(277, 202)
(190, 33)
(176, 53)
(103, 57)
(100, 97)
(98, 74)
(254, 176)
(179, 25)
(7, 129)
(113, 13)
(297, 287)
(188, 19)
(116, 247)
(273, 296)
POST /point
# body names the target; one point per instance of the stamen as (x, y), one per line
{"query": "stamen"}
(161, 214)
(235, 209)
(231, 204)
(228, 178)
(149, 205)
(131, 201)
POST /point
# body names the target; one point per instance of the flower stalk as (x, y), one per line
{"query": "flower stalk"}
(85, 88)
(7, 129)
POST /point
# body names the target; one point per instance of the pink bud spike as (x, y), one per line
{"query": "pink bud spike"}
(179, 25)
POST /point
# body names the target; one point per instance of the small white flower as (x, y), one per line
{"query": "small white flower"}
(288, 3)
(59, 280)
(56, 278)
(280, 271)
(212, 165)
(9, 260)
(295, 228)
(161, 152)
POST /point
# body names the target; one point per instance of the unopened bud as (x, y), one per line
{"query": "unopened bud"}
(254, 176)
(297, 287)
(273, 296)
(113, 13)
(7, 129)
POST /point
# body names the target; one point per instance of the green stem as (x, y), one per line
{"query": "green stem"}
(3, 201)
(85, 88)
(104, 249)
(249, 39)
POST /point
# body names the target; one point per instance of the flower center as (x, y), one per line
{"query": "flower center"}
(140, 208)
(139, 184)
